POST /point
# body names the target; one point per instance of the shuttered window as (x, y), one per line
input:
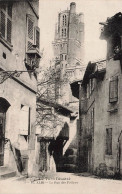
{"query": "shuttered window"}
(3, 25)
(6, 21)
(30, 29)
(33, 34)
(37, 37)
(109, 141)
(113, 90)
(9, 25)
(30, 33)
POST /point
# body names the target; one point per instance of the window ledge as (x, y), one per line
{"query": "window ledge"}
(112, 108)
(5, 43)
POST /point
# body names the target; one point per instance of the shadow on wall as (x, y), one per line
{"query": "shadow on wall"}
(64, 162)
(56, 147)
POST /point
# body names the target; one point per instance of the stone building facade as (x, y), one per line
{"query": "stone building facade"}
(18, 33)
(99, 93)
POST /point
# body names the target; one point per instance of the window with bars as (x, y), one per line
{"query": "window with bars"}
(6, 21)
(113, 90)
(109, 141)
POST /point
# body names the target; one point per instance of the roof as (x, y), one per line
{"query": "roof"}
(94, 69)
(75, 88)
(111, 26)
(58, 107)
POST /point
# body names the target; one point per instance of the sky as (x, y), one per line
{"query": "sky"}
(95, 11)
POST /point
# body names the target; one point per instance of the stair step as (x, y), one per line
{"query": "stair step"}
(69, 168)
(5, 172)
(71, 151)
(3, 169)
(18, 178)
(71, 159)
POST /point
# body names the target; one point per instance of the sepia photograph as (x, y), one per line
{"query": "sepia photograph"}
(60, 97)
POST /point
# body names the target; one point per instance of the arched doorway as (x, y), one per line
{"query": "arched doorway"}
(4, 105)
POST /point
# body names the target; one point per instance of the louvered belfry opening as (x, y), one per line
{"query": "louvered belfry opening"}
(6, 20)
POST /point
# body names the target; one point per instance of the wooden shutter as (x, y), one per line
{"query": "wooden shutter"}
(109, 141)
(2, 26)
(113, 90)
(37, 37)
(30, 33)
(24, 120)
(9, 27)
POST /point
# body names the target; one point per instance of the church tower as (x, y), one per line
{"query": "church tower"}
(68, 44)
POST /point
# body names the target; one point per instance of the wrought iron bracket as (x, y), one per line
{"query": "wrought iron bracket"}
(4, 75)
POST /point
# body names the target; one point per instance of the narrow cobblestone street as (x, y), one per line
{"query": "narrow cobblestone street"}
(63, 183)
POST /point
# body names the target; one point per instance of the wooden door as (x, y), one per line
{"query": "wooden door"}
(2, 136)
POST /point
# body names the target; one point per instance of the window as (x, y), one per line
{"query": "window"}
(65, 32)
(109, 141)
(113, 90)
(61, 57)
(64, 20)
(33, 34)
(91, 85)
(30, 33)
(62, 32)
(92, 118)
(37, 37)
(87, 90)
(6, 21)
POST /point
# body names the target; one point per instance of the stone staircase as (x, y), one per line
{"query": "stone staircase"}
(7, 173)
(70, 160)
